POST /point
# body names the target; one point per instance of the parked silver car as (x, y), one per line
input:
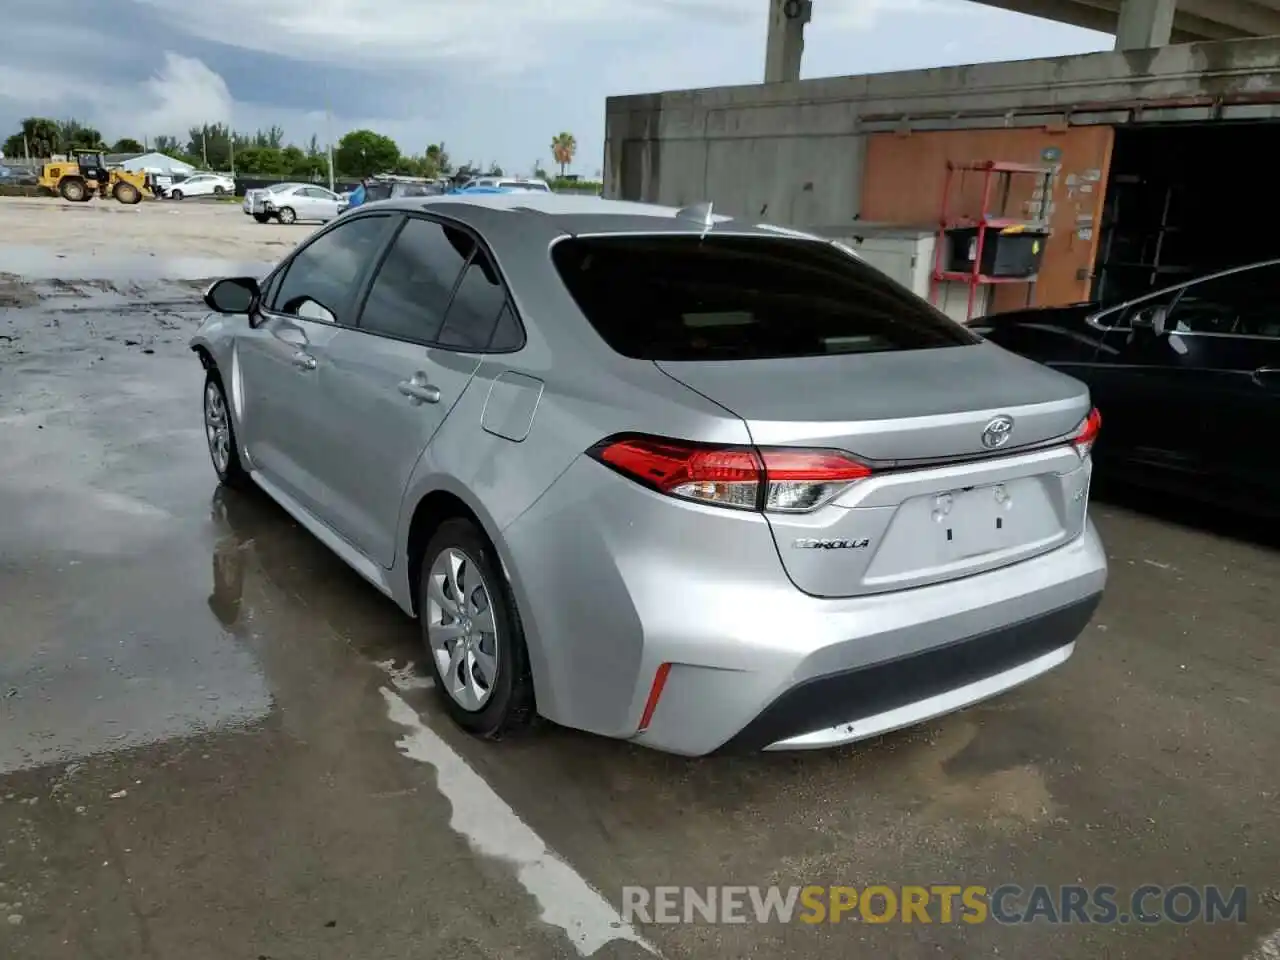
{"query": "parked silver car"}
(660, 475)
(290, 202)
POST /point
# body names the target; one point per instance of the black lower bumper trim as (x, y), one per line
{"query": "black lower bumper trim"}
(868, 691)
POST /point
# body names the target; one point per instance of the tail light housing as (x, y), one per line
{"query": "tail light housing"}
(1086, 434)
(765, 479)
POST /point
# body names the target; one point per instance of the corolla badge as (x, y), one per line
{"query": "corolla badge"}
(997, 433)
(839, 543)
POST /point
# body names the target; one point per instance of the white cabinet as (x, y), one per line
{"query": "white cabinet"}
(906, 255)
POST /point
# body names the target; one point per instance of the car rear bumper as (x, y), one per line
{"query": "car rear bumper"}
(866, 702)
(640, 581)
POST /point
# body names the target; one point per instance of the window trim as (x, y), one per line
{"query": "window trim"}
(1176, 291)
(362, 281)
(480, 246)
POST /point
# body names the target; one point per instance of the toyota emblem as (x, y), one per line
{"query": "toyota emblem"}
(997, 433)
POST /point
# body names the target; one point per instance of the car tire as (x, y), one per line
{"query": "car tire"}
(286, 215)
(219, 191)
(262, 217)
(175, 194)
(224, 448)
(507, 705)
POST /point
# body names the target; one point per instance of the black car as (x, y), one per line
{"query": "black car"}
(1187, 380)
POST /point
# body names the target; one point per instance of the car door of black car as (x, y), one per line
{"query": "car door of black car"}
(1144, 387)
(1230, 326)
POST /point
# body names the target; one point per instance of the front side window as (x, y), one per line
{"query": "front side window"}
(743, 298)
(327, 270)
(1236, 303)
(411, 292)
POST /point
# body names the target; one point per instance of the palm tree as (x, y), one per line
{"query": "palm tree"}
(563, 147)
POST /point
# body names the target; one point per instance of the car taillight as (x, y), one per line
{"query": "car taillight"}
(1087, 433)
(772, 479)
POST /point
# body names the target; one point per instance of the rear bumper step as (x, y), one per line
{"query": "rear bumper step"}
(856, 704)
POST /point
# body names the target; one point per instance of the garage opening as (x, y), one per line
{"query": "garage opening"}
(1185, 200)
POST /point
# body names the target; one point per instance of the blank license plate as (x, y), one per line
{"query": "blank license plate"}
(974, 522)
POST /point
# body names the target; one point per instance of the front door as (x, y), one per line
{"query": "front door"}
(282, 357)
(391, 384)
(1145, 383)
(1230, 328)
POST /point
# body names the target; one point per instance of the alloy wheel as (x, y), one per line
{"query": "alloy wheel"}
(461, 629)
(217, 428)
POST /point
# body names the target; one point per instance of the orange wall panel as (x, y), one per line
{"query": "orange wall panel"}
(905, 177)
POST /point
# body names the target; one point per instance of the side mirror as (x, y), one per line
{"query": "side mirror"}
(232, 295)
(1153, 319)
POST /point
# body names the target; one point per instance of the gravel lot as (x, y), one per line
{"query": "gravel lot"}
(214, 743)
(161, 227)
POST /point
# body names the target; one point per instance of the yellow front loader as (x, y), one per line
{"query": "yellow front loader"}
(86, 176)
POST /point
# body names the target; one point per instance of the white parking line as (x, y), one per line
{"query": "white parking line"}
(494, 830)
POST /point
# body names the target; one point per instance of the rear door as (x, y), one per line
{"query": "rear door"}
(280, 357)
(966, 444)
(391, 383)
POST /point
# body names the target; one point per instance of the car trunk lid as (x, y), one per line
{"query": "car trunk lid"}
(941, 502)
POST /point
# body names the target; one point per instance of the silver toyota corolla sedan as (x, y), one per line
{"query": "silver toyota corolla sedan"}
(658, 474)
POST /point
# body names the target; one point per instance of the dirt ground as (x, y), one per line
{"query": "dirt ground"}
(189, 228)
(214, 743)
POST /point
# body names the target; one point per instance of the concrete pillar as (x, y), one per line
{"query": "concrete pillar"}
(787, 19)
(1145, 23)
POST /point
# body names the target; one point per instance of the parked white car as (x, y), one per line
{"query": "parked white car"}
(203, 185)
(290, 202)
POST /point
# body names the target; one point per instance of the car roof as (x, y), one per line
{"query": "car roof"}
(547, 215)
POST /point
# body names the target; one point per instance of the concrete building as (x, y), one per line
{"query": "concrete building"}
(1159, 152)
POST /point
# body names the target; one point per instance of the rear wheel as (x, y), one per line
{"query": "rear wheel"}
(287, 215)
(473, 634)
(73, 189)
(219, 190)
(127, 193)
(220, 433)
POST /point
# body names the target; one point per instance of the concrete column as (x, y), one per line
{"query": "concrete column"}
(1145, 23)
(787, 19)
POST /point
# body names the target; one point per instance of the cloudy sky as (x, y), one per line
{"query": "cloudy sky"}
(494, 79)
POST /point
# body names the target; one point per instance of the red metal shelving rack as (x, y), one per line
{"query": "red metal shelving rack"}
(992, 171)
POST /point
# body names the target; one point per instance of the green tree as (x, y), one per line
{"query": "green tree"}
(126, 145)
(439, 158)
(495, 171)
(362, 153)
(313, 147)
(167, 145)
(37, 136)
(74, 135)
(211, 142)
(563, 148)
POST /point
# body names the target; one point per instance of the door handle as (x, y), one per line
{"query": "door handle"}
(420, 392)
(1267, 376)
(304, 360)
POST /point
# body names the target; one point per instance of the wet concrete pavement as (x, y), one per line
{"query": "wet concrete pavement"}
(213, 745)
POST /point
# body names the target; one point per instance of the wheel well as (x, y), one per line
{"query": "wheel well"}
(432, 510)
(206, 358)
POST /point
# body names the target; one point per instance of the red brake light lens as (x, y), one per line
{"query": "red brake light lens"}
(742, 478)
(1086, 434)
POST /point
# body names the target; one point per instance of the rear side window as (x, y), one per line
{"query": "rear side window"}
(743, 298)
(412, 289)
(475, 320)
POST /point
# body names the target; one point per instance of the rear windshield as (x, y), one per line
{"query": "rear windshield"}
(743, 298)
